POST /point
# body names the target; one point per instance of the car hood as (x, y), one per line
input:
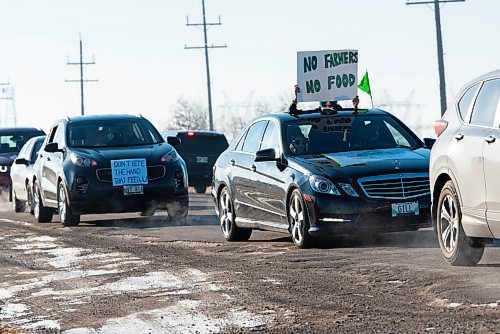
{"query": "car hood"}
(152, 153)
(6, 159)
(355, 164)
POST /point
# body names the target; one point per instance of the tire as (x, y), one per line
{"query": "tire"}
(200, 190)
(228, 226)
(19, 206)
(68, 218)
(178, 211)
(42, 214)
(457, 248)
(299, 221)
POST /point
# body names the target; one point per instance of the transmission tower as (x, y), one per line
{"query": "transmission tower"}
(8, 117)
(206, 47)
(439, 38)
(81, 80)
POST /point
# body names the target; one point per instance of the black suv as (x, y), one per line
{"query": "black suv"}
(11, 142)
(200, 150)
(350, 172)
(105, 164)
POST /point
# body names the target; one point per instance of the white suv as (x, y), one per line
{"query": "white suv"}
(464, 166)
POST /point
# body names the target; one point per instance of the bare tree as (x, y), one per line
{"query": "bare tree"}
(187, 115)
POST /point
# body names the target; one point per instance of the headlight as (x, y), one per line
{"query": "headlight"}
(170, 156)
(321, 184)
(348, 189)
(4, 169)
(82, 161)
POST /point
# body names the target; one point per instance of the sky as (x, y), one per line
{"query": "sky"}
(142, 66)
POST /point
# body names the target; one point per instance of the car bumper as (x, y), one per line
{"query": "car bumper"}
(100, 197)
(331, 215)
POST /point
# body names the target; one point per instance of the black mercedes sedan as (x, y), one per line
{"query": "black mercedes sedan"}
(108, 164)
(351, 172)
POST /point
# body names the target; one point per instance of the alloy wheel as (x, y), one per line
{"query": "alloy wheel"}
(36, 202)
(449, 226)
(297, 219)
(62, 203)
(226, 214)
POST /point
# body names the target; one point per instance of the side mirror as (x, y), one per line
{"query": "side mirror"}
(174, 141)
(21, 161)
(429, 142)
(52, 148)
(268, 154)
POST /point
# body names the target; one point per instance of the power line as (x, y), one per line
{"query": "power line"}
(206, 47)
(439, 38)
(81, 80)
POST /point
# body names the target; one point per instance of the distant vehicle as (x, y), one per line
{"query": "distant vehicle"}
(21, 174)
(108, 164)
(11, 141)
(200, 150)
(351, 172)
(464, 168)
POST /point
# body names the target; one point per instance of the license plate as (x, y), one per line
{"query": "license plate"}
(133, 189)
(405, 209)
(202, 160)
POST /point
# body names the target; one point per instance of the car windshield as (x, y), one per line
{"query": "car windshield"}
(12, 142)
(112, 133)
(329, 134)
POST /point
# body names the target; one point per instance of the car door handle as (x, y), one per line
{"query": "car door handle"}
(254, 169)
(490, 139)
(459, 136)
(48, 158)
(232, 162)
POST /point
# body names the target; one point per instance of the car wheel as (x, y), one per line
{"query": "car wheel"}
(227, 219)
(200, 190)
(68, 218)
(19, 206)
(178, 211)
(457, 248)
(42, 214)
(29, 196)
(299, 221)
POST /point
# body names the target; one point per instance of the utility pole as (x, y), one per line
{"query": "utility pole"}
(439, 38)
(206, 47)
(10, 106)
(81, 80)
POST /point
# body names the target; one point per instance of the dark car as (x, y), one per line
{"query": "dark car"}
(108, 164)
(21, 174)
(200, 150)
(11, 141)
(353, 172)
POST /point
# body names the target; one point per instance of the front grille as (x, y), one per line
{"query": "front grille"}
(154, 173)
(396, 186)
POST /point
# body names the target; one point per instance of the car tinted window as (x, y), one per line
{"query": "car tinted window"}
(36, 149)
(271, 137)
(202, 143)
(327, 134)
(486, 104)
(466, 100)
(112, 133)
(13, 142)
(254, 137)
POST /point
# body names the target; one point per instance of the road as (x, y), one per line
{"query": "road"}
(129, 274)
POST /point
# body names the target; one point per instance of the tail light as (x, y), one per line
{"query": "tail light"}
(439, 126)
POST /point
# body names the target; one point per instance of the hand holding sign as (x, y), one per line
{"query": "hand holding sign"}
(327, 75)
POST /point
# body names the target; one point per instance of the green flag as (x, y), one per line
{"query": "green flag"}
(364, 85)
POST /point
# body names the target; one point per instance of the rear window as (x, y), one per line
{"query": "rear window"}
(14, 141)
(201, 143)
